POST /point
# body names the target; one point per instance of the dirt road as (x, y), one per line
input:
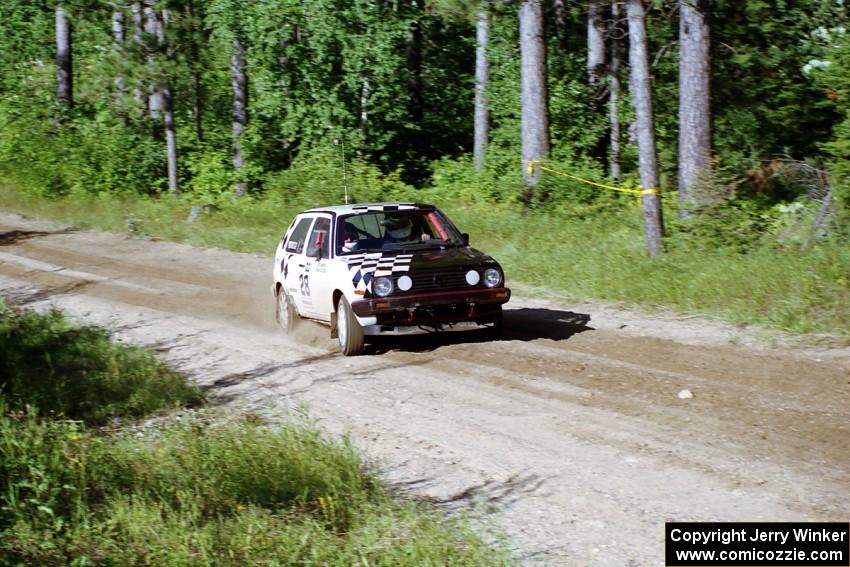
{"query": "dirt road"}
(568, 434)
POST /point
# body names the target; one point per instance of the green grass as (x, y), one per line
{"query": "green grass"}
(80, 373)
(199, 493)
(594, 251)
(799, 291)
(196, 488)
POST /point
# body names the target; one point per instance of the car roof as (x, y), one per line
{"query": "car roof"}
(359, 208)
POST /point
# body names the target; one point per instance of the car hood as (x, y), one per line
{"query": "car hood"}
(364, 268)
(446, 258)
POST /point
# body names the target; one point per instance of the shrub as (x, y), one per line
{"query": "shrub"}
(78, 372)
(200, 493)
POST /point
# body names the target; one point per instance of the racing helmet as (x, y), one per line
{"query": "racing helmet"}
(398, 227)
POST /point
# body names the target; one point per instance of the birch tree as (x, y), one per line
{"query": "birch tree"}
(641, 91)
(139, 92)
(482, 78)
(595, 44)
(559, 13)
(170, 135)
(167, 100)
(155, 41)
(160, 98)
(534, 116)
(118, 48)
(64, 67)
(614, 91)
(239, 115)
(694, 97)
(197, 36)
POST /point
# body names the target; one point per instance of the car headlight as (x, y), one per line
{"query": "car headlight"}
(383, 286)
(492, 277)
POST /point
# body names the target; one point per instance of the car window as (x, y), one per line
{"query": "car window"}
(388, 230)
(320, 236)
(299, 235)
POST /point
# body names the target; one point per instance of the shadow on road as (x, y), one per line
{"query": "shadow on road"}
(14, 236)
(525, 324)
(529, 324)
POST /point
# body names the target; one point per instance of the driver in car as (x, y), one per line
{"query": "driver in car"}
(348, 237)
(400, 229)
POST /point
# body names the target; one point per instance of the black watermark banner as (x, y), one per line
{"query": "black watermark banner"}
(757, 544)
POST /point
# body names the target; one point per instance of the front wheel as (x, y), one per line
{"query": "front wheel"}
(285, 313)
(349, 332)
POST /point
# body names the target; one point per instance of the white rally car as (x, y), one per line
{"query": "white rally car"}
(384, 268)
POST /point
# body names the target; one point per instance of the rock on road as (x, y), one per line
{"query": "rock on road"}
(569, 434)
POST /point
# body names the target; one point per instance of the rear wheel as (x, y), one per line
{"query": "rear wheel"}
(349, 332)
(285, 313)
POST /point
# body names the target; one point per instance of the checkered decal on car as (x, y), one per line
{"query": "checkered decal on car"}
(366, 267)
(384, 208)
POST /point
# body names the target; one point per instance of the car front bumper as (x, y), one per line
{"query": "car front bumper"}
(433, 308)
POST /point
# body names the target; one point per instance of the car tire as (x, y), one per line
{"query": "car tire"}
(349, 332)
(285, 312)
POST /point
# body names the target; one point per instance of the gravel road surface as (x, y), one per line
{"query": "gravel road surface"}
(568, 435)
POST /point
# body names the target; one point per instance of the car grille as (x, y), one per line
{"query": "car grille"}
(438, 281)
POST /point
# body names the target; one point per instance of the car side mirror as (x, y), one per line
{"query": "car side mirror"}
(465, 237)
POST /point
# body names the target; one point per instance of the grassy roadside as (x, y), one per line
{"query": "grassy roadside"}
(596, 256)
(195, 488)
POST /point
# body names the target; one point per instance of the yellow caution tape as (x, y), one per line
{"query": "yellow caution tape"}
(640, 191)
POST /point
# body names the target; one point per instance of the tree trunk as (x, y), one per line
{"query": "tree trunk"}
(614, 93)
(595, 45)
(287, 77)
(283, 62)
(413, 61)
(365, 93)
(118, 47)
(197, 82)
(170, 137)
(559, 11)
(64, 67)
(240, 110)
(694, 95)
(642, 99)
(154, 30)
(534, 120)
(482, 78)
(139, 91)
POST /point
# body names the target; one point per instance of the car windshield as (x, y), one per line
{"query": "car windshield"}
(395, 230)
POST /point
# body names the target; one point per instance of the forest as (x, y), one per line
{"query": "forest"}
(727, 122)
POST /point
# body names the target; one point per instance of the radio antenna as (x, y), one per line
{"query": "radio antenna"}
(344, 177)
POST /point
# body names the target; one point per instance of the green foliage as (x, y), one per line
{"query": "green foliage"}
(603, 256)
(78, 372)
(197, 492)
(198, 489)
(744, 263)
(325, 70)
(321, 177)
(771, 108)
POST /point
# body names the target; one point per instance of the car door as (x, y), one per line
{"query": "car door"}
(314, 285)
(294, 261)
